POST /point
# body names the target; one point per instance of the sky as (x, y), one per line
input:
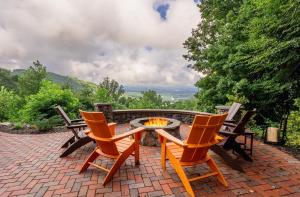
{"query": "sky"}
(136, 42)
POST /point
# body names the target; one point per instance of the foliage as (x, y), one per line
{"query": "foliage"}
(113, 89)
(18, 125)
(103, 96)
(44, 124)
(149, 100)
(86, 97)
(190, 104)
(40, 106)
(249, 52)
(294, 126)
(8, 80)
(9, 103)
(30, 81)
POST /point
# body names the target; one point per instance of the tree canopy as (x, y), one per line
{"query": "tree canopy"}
(249, 52)
(8, 80)
(30, 81)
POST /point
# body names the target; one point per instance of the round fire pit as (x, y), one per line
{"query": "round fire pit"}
(149, 136)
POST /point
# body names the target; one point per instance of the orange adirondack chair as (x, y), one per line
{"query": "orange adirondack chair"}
(118, 147)
(193, 151)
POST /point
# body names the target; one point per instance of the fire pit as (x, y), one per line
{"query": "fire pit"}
(149, 137)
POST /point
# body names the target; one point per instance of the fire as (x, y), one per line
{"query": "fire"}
(156, 122)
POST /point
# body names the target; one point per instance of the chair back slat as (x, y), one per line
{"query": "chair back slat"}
(63, 114)
(98, 127)
(204, 130)
(234, 108)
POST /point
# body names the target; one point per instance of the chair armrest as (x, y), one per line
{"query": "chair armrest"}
(226, 133)
(86, 131)
(128, 133)
(112, 128)
(248, 132)
(229, 121)
(76, 126)
(169, 137)
(229, 124)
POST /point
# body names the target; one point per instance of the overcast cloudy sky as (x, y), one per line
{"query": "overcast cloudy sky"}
(132, 41)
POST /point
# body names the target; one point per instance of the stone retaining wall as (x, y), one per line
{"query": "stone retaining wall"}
(125, 116)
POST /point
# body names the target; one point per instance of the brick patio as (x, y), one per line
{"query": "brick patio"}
(30, 166)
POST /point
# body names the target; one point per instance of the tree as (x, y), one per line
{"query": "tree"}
(149, 100)
(103, 95)
(9, 104)
(30, 81)
(86, 96)
(8, 80)
(188, 104)
(114, 89)
(249, 52)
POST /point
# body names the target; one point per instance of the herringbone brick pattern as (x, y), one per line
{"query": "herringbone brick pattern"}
(30, 166)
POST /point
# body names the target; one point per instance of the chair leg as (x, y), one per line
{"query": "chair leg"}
(226, 157)
(237, 148)
(118, 163)
(163, 156)
(137, 152)
(215, 168)
(77, 144)
(251, 144)
(178, 168)
(70, 140)
(90, 159)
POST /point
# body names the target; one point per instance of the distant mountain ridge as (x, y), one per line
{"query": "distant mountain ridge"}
(75, 83)
(168, 92)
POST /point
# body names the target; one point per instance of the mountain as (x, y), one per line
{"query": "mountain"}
(75, 83)
(170, 93)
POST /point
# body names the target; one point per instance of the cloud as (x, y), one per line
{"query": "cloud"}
(130, 41)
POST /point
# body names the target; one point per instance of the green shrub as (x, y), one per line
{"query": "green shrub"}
(9, 103)
(45, 124)
(293, 133)
(18, 125)
(39, 108)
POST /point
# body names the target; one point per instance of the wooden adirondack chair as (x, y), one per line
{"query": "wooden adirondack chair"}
(193, 151)
(77, 126)
(230, 142)
(118, 147)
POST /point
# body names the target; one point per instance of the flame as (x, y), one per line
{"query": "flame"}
(156, 122)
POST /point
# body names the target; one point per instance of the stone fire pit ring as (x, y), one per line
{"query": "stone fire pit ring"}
(149, 137)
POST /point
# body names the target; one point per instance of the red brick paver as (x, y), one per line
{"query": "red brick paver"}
(30, 166)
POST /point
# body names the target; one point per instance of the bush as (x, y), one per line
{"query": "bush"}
(9, 103)
(39, 108)
(294, 126)
(18, 125)
(45, 124)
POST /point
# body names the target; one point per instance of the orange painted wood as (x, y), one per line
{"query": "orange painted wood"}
(203, 134)
(118, 147)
